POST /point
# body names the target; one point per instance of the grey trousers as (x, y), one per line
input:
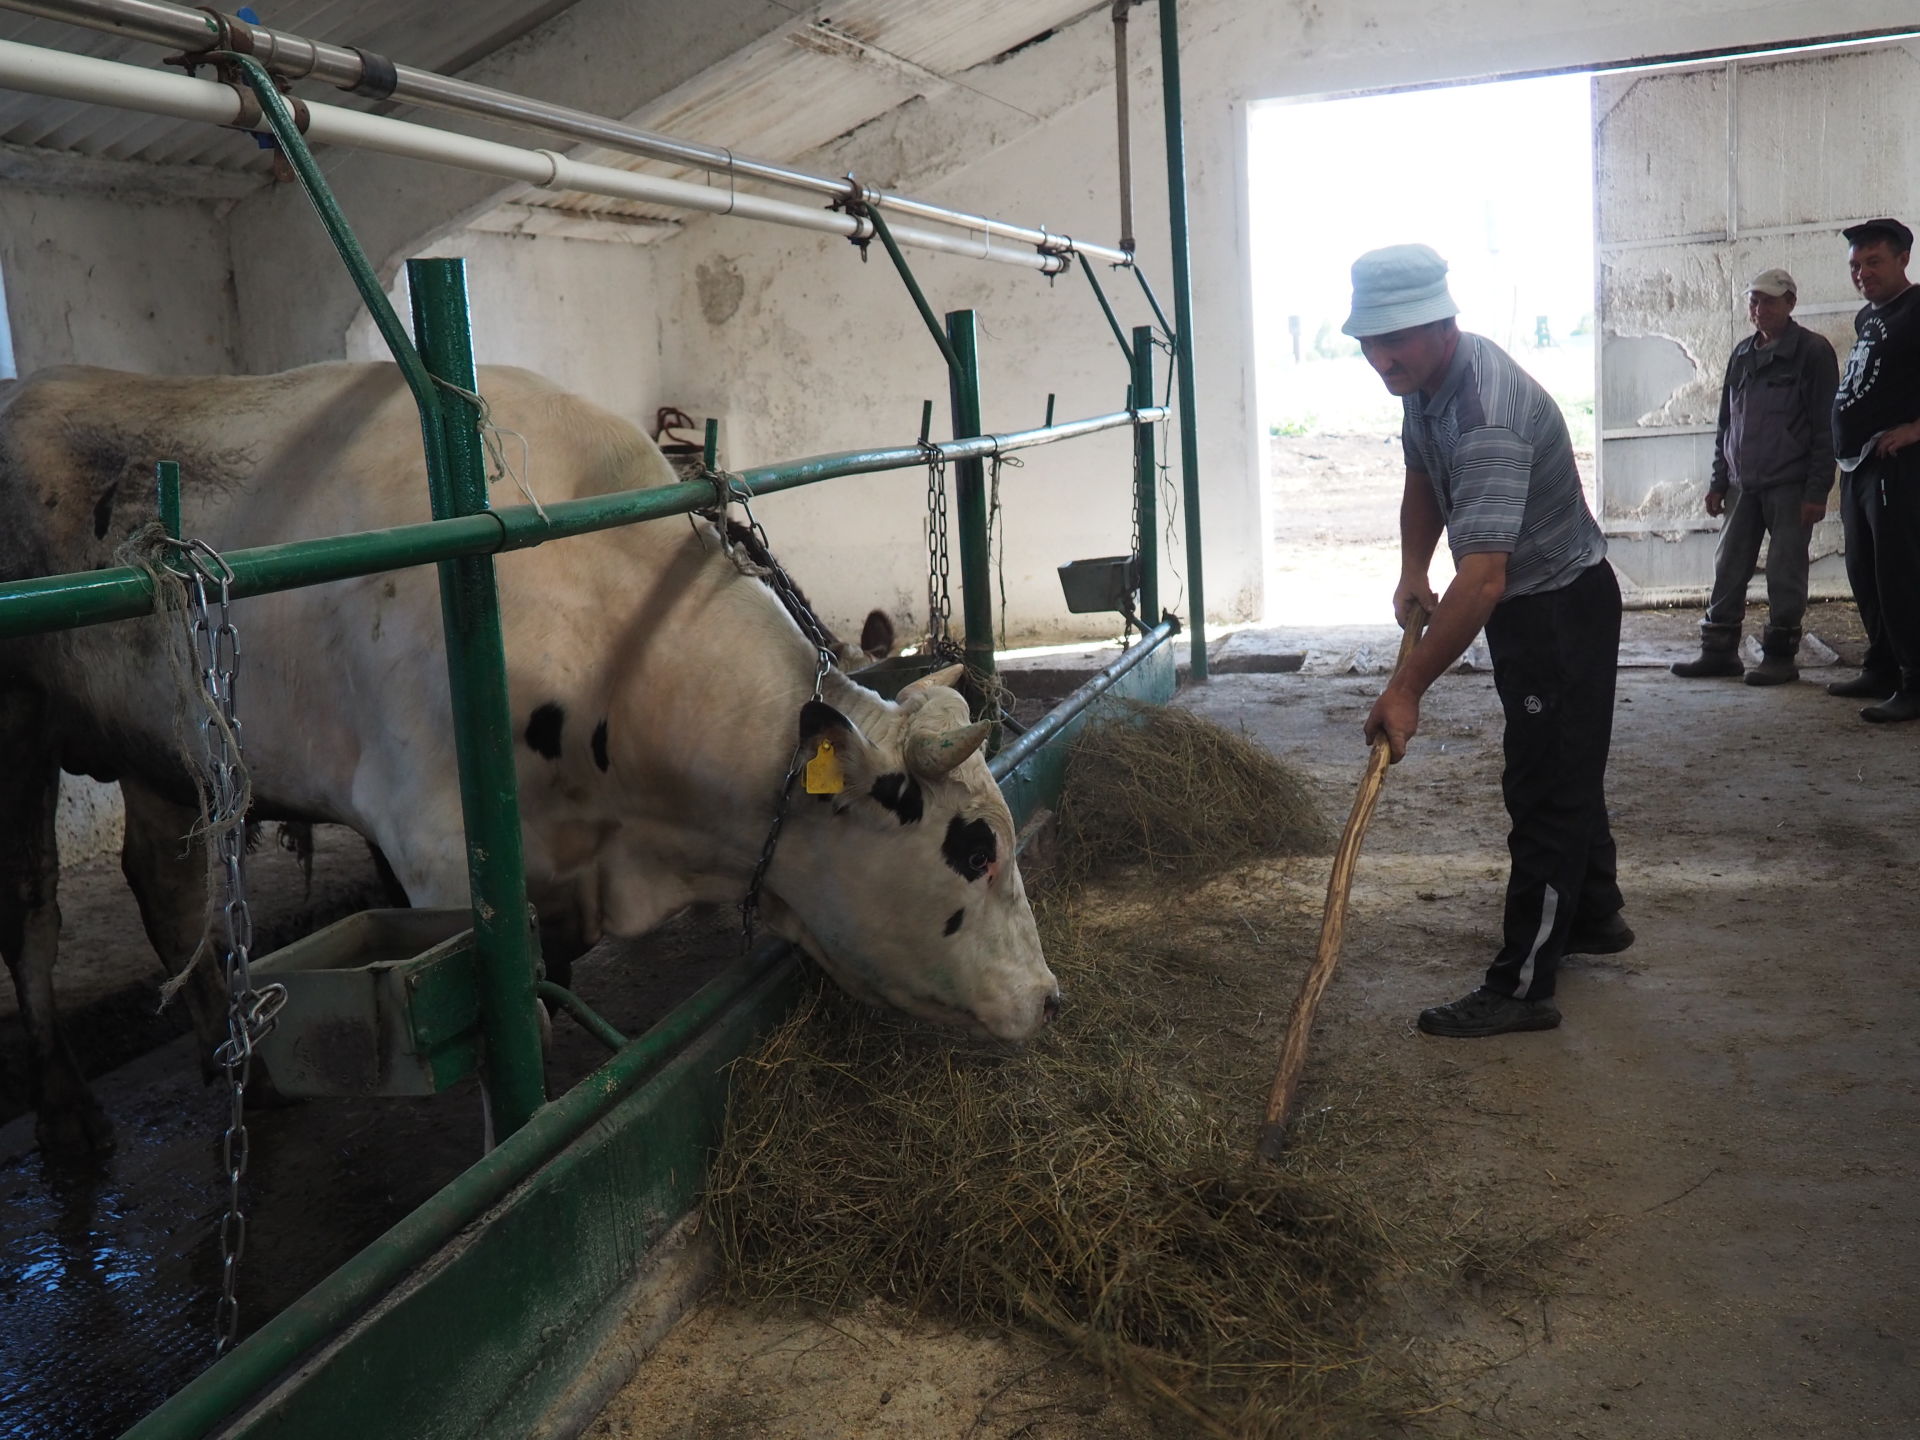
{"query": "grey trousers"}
(1750, 515)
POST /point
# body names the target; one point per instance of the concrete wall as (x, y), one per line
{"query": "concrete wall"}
(1705, 177)
(584, 314)
(98, 278)
(818, 352)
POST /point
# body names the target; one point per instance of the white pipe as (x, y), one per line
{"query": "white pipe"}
(105, 82)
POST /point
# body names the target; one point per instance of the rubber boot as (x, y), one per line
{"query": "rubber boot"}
(1776, 667)
(1719, 655)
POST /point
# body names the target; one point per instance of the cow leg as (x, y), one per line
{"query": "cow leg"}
(70, 1122)
(165, 863)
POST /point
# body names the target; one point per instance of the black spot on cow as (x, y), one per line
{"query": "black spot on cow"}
(900, 794)
(543, 730)
(600, 745)
(953, 920)
(103, 511)
(969, 847)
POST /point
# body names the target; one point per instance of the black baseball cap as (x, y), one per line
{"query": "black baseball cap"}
(1892, 231)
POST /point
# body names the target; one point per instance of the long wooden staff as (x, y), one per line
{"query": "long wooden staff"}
(1333, 924)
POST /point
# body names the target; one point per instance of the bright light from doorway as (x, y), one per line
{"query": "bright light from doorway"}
(1499, 179)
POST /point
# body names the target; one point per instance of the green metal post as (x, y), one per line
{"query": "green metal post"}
(970, 500)
(710, 447)
(1105, 308)
(1183, 331)
(166, 485)
(482, 716)
(1144, 474)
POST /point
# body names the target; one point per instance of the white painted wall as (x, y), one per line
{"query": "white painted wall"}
(585, 315)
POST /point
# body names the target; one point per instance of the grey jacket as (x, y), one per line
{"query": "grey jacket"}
(1774, 412)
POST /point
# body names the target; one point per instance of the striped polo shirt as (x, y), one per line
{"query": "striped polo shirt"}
(1496, 449)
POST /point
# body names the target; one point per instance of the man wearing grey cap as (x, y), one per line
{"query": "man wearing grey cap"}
(1876, 435)
(1488, 460)
(1772, 469)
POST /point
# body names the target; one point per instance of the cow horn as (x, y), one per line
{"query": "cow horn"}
(948, 677)
(932, 754)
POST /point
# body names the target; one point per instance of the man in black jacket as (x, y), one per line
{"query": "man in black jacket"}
(1876, 437)
(1772, 469)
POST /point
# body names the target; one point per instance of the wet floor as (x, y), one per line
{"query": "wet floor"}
(109, 1274)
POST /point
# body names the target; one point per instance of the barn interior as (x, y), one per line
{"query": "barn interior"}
(1724, 1128)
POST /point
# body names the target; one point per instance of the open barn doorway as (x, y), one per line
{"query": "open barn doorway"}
(1498, 178)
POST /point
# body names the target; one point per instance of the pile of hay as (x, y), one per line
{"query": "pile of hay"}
(1094, 1187)
(1163, 788)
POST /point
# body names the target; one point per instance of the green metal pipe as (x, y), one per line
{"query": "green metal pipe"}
(513, 1067)
(913, 289)
(336, 1301)
(166, 487)
(1145, 473)
(93, 597)
(970, 503)
(1183, 331)
(293, 145)
(1056, 719)
(1166, 325)
(710, 446)
(1106, 309)
(591, 1020)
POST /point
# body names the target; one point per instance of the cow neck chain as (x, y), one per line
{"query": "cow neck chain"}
(731, 489)
(250, 1012)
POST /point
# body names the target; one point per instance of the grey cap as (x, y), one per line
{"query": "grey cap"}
(1397, 288)
(1773, 282)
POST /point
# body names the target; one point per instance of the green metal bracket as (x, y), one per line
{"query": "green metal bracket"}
(970, 501)
(1106, 309)
(1166, 325)
(940, 338)
(166, 487)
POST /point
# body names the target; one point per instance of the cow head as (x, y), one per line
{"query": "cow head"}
(897, 871)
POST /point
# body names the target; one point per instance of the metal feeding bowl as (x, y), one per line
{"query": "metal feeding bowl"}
(380, 1003)
(1107, 583)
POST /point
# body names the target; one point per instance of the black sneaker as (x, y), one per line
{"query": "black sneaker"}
(1488, 1012)
(1604, 937)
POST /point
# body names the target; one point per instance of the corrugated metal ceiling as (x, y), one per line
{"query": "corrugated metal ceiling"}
(814, 79)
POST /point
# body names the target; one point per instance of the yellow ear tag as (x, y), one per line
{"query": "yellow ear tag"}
(824, 776)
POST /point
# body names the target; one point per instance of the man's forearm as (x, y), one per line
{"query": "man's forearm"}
(1462, 614)
(1420, 525)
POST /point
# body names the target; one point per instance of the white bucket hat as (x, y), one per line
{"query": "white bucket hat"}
(1397, 288)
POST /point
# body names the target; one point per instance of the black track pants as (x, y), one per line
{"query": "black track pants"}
(1554, 658)
(1880, 510)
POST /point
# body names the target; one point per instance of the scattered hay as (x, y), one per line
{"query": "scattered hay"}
(1163, 788)
(1097, 1185)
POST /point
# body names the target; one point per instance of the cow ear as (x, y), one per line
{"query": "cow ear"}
(949, 677)
(852, 755)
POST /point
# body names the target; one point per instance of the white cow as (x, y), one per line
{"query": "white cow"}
(658, 696)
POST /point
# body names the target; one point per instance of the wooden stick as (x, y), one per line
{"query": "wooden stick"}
(1333, 924)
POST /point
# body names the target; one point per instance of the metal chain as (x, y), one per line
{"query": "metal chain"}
(730, 489)
(940, 642)
(250, 1012)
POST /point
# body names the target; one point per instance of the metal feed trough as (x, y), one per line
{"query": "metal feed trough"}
(409, 1336)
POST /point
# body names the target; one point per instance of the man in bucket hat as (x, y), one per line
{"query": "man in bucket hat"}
(1489, 461)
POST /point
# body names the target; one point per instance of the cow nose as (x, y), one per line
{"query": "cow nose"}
(1051, 1007)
